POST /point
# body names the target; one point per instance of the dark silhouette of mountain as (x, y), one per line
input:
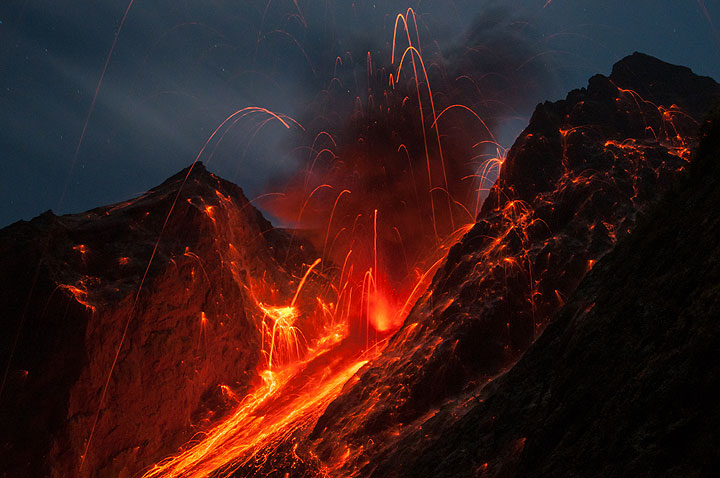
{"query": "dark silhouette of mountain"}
(573, 185)
(70, 291)
(624, 380)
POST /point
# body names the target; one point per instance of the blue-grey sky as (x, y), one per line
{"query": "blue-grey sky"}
(180, 67)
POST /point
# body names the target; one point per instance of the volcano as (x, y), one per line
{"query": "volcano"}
(181, 334)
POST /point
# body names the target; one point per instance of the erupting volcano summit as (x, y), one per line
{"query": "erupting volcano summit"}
(569, 330)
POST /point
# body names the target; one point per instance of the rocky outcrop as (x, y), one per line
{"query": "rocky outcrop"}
(168, 302)
(571, 187)
(623, 381)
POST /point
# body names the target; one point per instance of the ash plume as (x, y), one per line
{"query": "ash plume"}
(402, 143)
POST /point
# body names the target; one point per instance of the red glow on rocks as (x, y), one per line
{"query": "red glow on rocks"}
(383, 317)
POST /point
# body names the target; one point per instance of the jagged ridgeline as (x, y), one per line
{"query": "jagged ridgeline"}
(623, 381)
(573, 185)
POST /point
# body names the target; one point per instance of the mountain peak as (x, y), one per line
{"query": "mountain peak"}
(664, 83)
(572, 186)
(196, 170)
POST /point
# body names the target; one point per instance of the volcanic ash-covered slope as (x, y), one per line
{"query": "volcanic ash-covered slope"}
(572, 186)
(70, 297)
(625, 380)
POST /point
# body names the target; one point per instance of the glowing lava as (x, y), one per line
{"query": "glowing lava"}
(384, 226)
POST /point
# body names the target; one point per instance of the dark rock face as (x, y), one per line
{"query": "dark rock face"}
(70, 291)
(572, 186)
(624, 380)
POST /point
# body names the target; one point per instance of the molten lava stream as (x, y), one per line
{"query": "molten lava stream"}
(290, 399)
(382, 238)
(295, 391)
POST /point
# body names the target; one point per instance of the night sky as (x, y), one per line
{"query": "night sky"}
(180, 67)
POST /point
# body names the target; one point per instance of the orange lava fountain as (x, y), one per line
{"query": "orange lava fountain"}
(382, 241)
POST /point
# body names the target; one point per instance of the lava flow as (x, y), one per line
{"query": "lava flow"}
(383, 211)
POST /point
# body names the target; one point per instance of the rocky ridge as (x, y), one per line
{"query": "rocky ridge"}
(72, 303)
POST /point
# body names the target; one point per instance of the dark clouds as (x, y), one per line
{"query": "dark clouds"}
(181, 67)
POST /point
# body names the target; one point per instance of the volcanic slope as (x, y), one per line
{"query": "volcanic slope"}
(572, 186)
(70, 290)
(624, 380)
